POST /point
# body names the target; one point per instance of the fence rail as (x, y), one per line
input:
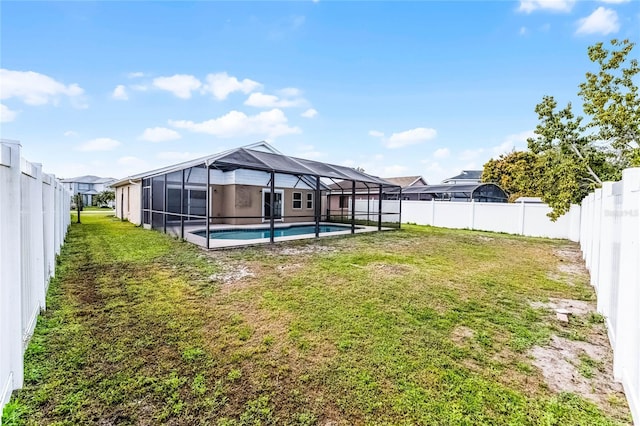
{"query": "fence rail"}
(34, 217)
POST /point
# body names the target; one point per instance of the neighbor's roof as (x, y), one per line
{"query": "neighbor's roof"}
(437, 189)
(534, 200)
(262, 156)
(466, 174)
(88, 179)
(405, 181)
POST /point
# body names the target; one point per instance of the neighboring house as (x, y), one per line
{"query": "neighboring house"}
(341, 191)
(467, 176)
(248, 185)
(88, 186)
(481, 192)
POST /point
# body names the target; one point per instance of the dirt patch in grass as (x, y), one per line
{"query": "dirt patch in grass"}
(570, 261)
(461, 334)
(575, 307)
(232, 274)
(285, 250)
(583, 368)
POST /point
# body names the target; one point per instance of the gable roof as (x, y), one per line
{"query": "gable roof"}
(262, 156)
(88, 179)
(405, 181)
(466, 175)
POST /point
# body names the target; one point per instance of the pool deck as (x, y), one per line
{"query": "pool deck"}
(225, 243)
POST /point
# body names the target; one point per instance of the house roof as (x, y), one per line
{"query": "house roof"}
(449, 188)
(533, 200)
(466, 175)
(262, 156)
(88, 179)
(405, 181)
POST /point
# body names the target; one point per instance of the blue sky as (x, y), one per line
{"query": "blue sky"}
(398, 88)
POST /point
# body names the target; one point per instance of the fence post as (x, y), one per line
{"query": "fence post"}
(521, 218)
(602, 282)
(473, 213)
(433, 212)
(37, 232)
(48, 218)
(11, 362)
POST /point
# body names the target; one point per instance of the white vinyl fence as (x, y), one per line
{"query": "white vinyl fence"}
(521, 218)
(610, 243)
(34, 217)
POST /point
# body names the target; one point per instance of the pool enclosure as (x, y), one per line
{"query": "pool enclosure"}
(480, 192)
(252, 187)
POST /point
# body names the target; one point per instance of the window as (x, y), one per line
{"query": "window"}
(297, 200)
(84, 187)
(309, 200)
(344, 201)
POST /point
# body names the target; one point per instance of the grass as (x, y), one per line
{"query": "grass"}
(418, 326)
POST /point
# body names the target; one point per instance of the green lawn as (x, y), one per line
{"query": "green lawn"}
(418, 326)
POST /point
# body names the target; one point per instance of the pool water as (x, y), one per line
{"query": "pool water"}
(253, 234)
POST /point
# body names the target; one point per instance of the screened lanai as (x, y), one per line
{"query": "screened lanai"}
(249, 195)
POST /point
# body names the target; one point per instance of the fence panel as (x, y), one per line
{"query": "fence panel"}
(34, 217)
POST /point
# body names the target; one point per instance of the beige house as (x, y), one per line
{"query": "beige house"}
(251, 185)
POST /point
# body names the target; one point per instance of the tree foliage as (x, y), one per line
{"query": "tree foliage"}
(518, 173)
(573, 154)
(612, 101)
(104, 197)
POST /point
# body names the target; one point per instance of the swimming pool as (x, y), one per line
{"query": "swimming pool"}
(257, 233)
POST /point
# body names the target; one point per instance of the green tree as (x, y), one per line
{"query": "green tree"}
(104, 197)
(578, 154)
(612, 102)
(519, 173)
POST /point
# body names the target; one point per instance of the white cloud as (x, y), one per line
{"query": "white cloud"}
(602, 21)
(410, 137)
(376, 134)
(120, 93)
(139, 87)
(69, 133)
(470, 154)
(132, 165)
(260, 100)
(290, 92)
(394, 170)
(270, 124)
(6, 114)
(99, 144)
(34, 88)
(523, 31)
(221, 85)
(515, 141)
(529, 6)
(181, 85)
(309, 152)
(135, 74)
(159, 134)
(310, 113)
(441, 153)
(615, 1)
(174, 156)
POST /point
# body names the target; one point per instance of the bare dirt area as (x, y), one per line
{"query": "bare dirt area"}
(583, 368)
(570, 262)
(574, 307)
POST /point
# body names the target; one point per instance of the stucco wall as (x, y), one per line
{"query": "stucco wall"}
(246, 200)
(128, 202)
